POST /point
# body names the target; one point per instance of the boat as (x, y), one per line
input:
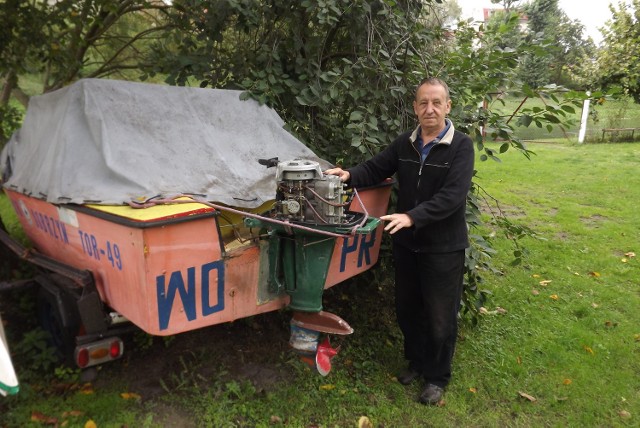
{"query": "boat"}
(169, 209)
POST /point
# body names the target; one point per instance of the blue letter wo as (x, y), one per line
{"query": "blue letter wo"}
(166, 295)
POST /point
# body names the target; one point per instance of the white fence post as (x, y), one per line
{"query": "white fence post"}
(583, 120)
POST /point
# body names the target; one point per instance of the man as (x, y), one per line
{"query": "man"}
(433, 166)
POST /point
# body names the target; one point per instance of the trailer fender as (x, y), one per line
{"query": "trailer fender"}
(58, 315)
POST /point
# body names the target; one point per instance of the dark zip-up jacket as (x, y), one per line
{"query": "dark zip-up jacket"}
(433, 193)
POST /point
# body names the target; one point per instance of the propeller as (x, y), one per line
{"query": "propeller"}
(324, 354)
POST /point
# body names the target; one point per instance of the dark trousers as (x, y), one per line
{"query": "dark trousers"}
(428, 292)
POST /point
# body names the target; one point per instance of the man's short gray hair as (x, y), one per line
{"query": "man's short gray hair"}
(433, 81)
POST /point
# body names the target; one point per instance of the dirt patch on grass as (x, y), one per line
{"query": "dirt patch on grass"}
(250, 350)
(170, 416)
(593, 221)
(512, 212)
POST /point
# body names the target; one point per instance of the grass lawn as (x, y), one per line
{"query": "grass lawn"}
(559, 344)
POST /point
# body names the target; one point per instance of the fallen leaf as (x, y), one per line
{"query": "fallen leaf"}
(576, 273)
(473, 390)
(554, 296)
(545, 282)
(364, 422)
(535, 275)
(567, 382)
(518, 359)
(630, 254)
(594, 305)
(588, 349)
(90, 424)
(624, 414)
(624, 260)
(501, 310)
(594, 274)
(130, 396)
(327, 387)
(535, 292)
(527, 396)
(636, 337)
(86, 389)
(275, 420)
(72, 413)
(39, 417)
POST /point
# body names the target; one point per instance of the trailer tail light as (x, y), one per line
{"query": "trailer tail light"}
(115, 350)
(82, 358)
(98, 352)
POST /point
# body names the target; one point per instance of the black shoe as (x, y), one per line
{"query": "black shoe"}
(432, 394)
(407, 376)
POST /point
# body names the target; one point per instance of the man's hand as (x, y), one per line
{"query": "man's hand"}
(344, 175)
(396, 222)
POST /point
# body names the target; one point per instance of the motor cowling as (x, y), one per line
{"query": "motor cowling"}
(304, 194)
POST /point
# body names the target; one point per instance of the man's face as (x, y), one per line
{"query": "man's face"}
(431, 106)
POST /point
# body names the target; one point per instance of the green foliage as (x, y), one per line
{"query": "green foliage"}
(185, 376)
(504, 30)
(543, 16)
(559, 107)
(67, 374)
(339, 72)
(35, 354)
(143, 340)
(572, 65)
(22, 34)
(65, 40)
(618, 63)
(10, 120)
(550, 45)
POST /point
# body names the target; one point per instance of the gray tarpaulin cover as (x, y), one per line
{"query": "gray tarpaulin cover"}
(107, 142)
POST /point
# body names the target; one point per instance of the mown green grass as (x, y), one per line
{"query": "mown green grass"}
(567, 337)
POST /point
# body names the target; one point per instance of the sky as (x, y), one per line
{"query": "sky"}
(592, 16)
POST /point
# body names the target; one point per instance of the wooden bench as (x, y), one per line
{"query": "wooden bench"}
(617, 130)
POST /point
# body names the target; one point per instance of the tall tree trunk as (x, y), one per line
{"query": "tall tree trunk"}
(10, 82)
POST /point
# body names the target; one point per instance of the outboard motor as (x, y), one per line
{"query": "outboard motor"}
(299, 257)
(305, 195)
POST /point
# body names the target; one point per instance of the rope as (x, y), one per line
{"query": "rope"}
(174, 200)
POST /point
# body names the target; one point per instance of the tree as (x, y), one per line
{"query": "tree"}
(560, 48)
(65, 40)
(336, 70)
(504, 31)
(574, 54)
(444, 14)
(22, 24)
(543, 17)
(618, 63)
